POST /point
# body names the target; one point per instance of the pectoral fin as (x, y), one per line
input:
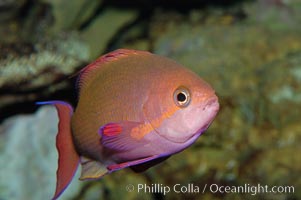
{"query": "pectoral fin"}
(117, 136)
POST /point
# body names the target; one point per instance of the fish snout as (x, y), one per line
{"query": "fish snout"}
(212, 103)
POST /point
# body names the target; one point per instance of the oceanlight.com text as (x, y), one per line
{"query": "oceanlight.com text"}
(212, 188)
(251, 189)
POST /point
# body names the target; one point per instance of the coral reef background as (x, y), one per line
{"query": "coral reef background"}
(249, 51)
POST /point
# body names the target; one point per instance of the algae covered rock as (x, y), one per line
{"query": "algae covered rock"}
(71, 14)
(101, 30)
(255, 72)
(282, 86)
(10, 8)
(27, 68)
(22, 63)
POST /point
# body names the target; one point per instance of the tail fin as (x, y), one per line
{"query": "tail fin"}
(68, 158)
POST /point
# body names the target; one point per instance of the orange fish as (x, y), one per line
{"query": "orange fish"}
(135, 109)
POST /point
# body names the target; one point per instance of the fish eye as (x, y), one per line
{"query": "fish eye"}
(182, 97)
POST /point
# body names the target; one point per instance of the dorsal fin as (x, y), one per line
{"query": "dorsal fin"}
(86, 72)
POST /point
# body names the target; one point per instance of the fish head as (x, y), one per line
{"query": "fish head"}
(181, 107)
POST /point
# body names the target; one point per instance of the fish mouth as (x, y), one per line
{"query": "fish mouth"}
(212, 103)
(212, 106)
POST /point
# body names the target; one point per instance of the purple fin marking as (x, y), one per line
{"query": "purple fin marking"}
(54, 102)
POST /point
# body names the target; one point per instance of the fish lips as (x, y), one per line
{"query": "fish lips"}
(187, 127)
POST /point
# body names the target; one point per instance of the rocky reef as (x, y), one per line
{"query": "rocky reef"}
(250, 52)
